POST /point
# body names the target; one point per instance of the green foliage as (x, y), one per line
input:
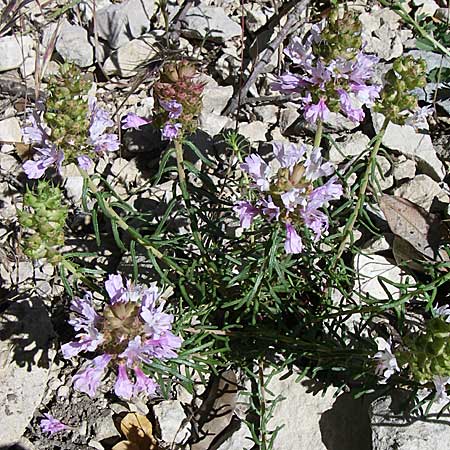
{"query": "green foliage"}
(43, 221)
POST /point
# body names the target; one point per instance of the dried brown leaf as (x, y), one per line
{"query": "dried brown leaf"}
(422, 230)
(405, 254)
(138, 432)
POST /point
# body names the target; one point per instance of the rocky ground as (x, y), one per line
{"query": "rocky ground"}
(113, 43)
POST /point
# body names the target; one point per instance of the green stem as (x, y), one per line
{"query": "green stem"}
(318, 136)
(112, 214)
(186, 196)
(362, 192)
(74, 271)
(401, 11)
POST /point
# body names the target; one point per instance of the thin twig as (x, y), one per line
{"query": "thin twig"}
(292, 23)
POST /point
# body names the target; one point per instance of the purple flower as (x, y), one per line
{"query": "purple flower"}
(84, 162)
(269, 209)
(320, 75)
(441, 393)
(325, 193)
(119, 293)
(365, 93)
(87, 320)
(156, 321)
(443, 311)
(315, 220)
(172, 107)
(293, 198)
(106, 143)
(131, 120)
(293, 243)
(144, 383)
(170, 131)
(363, 68)
(88, 379)
(315, 167)
(44, 158)
(300, 54)
(289, 83)
(164, 347)
(247, 212)
(288, 154)
(354, 114)
(34, 133)
(258, 170)
(123, 387)
(135, 352)
(386, 361)
(319, 111)
(100, 120)
(51, 425)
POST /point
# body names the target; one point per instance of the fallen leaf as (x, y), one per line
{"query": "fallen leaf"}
(138, 432)
(422, 230)
(405, 254)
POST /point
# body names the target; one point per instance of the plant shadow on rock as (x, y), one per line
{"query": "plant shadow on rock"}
(26, 329)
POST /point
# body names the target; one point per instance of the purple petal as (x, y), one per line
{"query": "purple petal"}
(247, 212)
(51, 425)
(134, 121)
(293, 243)
(88, 379)
(123, 387)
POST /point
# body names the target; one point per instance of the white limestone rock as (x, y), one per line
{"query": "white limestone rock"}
(210, 23)
(407, 141)
(13, 50)
(73, 45)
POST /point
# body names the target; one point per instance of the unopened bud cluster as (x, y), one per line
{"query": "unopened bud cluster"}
(178, 99)
(43, 220)
(397, 97)
(428, 353)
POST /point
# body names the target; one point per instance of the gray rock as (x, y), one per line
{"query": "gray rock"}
(73, 45)
(433, 60)
(376, 245)
(13, 51)
(130, 56)
(87, 8)
(391, 430)
(211, 23)
(369, 268)
(212, 123)
(427, 7)
(241, 439)
(10, 130)
(121, 22)
(215, 98)
(267, 113)
(171, 418)
(423, 191)
(25, 359)
(353, 145)
(338, 122)
(404, 169)
(288, 117)
(253, 131)
(319, 421)
(415, 145)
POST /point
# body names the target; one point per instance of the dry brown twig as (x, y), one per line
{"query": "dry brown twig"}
(292, 23)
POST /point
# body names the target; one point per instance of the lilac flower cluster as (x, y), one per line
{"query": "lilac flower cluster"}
(386, 361)
(286, 191)
(51, 425)
(133, 329)
(171, 127)
(326, 85)
(50, 152)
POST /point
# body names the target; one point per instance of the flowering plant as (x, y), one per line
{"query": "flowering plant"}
(69, 127)
(286, 191)
(334, 72)
(132, 330)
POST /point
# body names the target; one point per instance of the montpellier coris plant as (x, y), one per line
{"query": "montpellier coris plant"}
(131, 330)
